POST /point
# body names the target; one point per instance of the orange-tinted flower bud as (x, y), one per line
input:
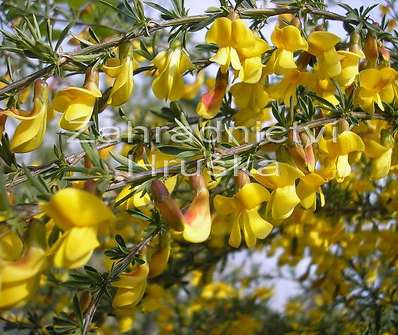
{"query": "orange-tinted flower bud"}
(210, 102)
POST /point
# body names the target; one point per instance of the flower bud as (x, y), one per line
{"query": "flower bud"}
(167, 206)
(160, 257)
(210, 102)
(371, 50)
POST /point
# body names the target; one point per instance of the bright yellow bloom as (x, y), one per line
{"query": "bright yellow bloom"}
(252, 66)
(159, 256)
(250, 96)
(287, 40)
(322, 86)
(337, 153)
(281, 178)
(349, 67)
(19, 279)
(11, 246)
(77, 104)
(71, 207)
(29, 134)
(171, 65)
(130, 288)
(376, 86)
(230, 36)
(286, 89)
(242, 209)
(75, 247)
(380, 152)
(322, 45)
(122, 70)
(307, 188)
(80, 214)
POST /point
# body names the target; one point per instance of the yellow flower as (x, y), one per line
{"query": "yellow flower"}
(171, 65)
(322, 45)
(252, 66)
(287, 41)
(349, 67)
(20, 279)
(242, 209)
(307, 188)
(159, 257)
(77, 104)
(337, 153)
(250, 96)
(75, 247)
(210, 103)
(281, 178)
(11, 246)
(29, 134)
(381, 154)
(324, 87)
(376, 86)
(130, 288)
(80, 214)
(286, 89)
(230, 36)
(71, 207)
(122, 70)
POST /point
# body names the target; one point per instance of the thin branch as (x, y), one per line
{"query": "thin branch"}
(152, 27)
(117, 269)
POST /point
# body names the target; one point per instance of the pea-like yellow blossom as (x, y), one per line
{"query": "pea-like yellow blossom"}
(122, 70)
(242, 209)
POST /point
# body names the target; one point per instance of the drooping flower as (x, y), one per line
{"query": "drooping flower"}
(77, 104)
(229, 35)
(122, 70)
(20, 271)
(286, 89)
(287, 41)
(349, 67)
(281, 178)
(29, 134)
(80, 215)
(20, 279)
(242, 209)
(322, 45)
(380, 153)
(376, 87)
(130, 288)
(171, 65)
(307, 188)
(252, 66)
(337, 153)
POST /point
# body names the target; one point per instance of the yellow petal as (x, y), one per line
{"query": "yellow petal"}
(284, 200)
(260, 227)
(75, 247)
(224, 205)
(380, 166)
(71, 207)
(277, 174)
(220, 32)
(252, 195)
(235, 238)
(321, 41)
